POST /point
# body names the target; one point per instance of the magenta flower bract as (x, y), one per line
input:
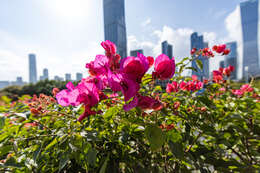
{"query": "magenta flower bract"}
(164, 67)
(109, 46)
(135, 66)
(68, 96)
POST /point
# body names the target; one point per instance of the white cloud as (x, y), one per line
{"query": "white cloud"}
(233, 26)
(179, 38)
(14, 58)
(146, 22)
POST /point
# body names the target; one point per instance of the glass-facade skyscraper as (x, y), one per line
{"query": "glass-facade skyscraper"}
(134, 52)
(251, 37)
(167, 49)
(114, 23)
(231, 58)
(198, 43)
(32, 68)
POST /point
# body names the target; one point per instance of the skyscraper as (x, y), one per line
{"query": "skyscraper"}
(231, 58)
(68, 77)
(114, 23)
(251, 37)
(32, 69)
(45, 73)
(222, 64)
(167, 49)
(134, 52)
(198, 43)
(79, 76)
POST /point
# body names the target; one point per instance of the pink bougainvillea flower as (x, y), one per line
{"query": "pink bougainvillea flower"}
(129, 87)
(220, 48)
(89, 93)
(173, 87)
(183, 86)
(144, 102)
(68, 96)
(237, 92)
(109, 47)
(198, 85)
(194, 78)
(135, 66)
(207, 52)
(131, 105)
(246, 88)
(226, 51)
(222, 89)
(150, 60)
(87, 112)
(193, 51)
(164, 67)
(99, 66)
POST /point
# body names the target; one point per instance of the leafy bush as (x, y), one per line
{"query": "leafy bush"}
(189, 127)
(41, 87)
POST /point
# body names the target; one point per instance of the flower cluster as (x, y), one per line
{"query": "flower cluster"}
(221, 72)
(120, 75)
(243, 89)
(221, 49)
(207, 52)
(38, 105)
(192, 85)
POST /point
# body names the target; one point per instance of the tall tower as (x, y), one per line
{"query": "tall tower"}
(32, 68)
(45, 73)
(231, 58)
(251, 37)
(167, 49)
(198, 43)
(114, 23)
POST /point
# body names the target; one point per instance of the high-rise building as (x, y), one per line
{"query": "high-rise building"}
(45, 73)
(167, 49)
(134, 52)
(32, 68)
(68, 77)
(222, 64)
(114, 23)
(231, 58)
(79, 76)
(198, 43)
(57, 78)
(250, 15)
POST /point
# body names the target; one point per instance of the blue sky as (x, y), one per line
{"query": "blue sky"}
(65, 34)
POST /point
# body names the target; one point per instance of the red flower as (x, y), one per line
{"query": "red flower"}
(193, 51)
(164, 67)
(226, 52)
(150, 60)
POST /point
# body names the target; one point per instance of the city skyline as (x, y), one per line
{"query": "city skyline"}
(250, 15)
(197, 41)
(70, 38)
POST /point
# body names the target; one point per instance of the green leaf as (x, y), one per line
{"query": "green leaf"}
(2, 122)
(155, 136)
(11, 162)
(177, 149)
(110, 112)
(63, 161)
(192, 68)
(199, 64)
(92, 156)
(5, 149)
(104, 166)
(51, 144)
